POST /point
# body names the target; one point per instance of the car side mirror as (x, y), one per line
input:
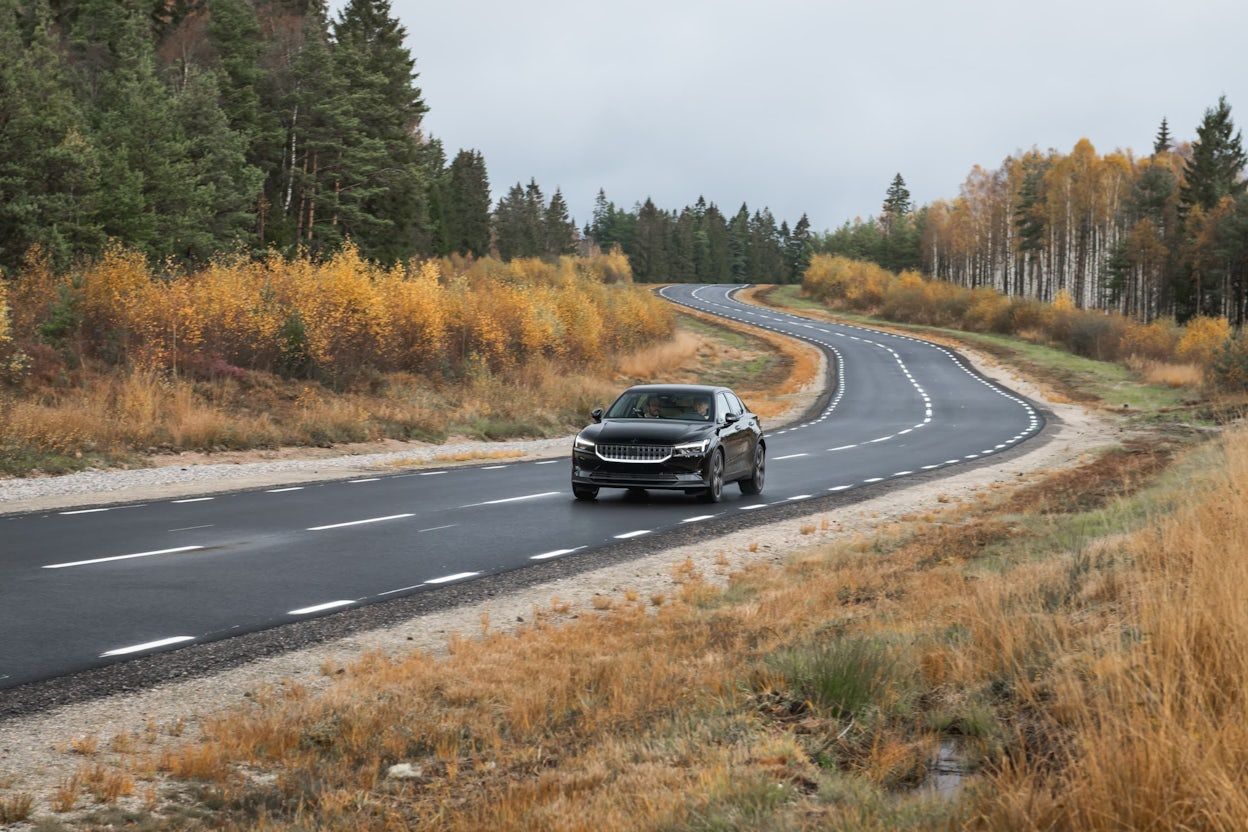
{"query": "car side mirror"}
(730, 418)
(596, 414)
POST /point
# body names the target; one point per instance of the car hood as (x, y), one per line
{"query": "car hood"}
(648, 431)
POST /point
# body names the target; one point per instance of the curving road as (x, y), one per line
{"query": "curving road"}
(86, 588)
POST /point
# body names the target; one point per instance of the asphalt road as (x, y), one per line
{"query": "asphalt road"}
(82, 589)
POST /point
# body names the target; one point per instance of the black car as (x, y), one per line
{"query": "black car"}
(686, 437)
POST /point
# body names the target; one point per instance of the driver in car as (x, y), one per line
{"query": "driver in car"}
(654, 409)
(703, 408)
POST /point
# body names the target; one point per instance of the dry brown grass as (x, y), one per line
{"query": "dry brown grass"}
(1152, 710)
(1167, 373)
(15, 808)
(660, 360)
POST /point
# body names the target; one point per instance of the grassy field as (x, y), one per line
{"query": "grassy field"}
(1105, 383)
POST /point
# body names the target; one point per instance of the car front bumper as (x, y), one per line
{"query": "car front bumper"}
(678, 473)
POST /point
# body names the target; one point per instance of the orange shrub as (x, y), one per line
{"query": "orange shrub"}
(1156, 340)
(1201, 339)
(345, 316)
(909, 298)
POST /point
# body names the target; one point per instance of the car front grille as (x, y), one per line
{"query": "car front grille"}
(635, 453)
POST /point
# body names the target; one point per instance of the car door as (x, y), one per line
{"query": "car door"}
(735, 438)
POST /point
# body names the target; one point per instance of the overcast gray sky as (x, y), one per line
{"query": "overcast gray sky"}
(808, 106)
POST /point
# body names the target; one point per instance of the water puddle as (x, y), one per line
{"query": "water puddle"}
(948, 771)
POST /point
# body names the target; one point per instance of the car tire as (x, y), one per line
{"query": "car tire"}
(585, 493)
(715, 476)
(754, 485)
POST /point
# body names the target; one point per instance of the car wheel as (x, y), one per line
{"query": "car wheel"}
(715, 491)
(585, 493)
(754, 485)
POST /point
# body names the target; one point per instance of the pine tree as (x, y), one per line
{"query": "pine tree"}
(718, 264)
(534, 227)
(219, 157)
(235, 36)
(49, 168)
(648, 254)
(1162, 143)
(378, 72)
(339, 167)
(739, 245)
(1217, 164)
(154, 198)
(510, 223)
(799, 250)
(467, 206)
(896, 203)
(559, 228)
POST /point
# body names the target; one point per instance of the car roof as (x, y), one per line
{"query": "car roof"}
(677, 388)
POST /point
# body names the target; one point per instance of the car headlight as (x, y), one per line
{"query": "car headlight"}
(691, 448)
(583, 444)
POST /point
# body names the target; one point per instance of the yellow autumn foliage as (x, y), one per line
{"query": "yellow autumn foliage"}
(346, 315)
(909, 298)
(1202, 337)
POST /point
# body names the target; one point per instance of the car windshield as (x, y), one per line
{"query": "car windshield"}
(658, 404)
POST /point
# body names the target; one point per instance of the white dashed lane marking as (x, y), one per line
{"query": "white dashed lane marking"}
(787, 456)
(328, 605)
(359, 522)
(153, 553)
(513, 499)
(458, 576)
(147, 645)
(627, 535)
(194, 500)
(556, 553)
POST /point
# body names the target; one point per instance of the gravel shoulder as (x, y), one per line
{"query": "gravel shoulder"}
(34, 749)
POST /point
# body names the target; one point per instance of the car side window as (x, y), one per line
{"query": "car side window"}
(738, 407)
(722, 408)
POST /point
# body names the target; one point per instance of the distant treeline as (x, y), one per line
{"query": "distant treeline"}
(1164, 235)
(701, 244)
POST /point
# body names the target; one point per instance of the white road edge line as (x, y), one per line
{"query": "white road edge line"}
(446, 579)
(194, 500)
(556, 553)
(328, 605)
(698, 518)
(840, 487)
(147, 645)
(627, 535)
(284, 490)
(123, 557)
(357, 522)
(548, 462)
(366, 479)
(83, 511)
(787, 456)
